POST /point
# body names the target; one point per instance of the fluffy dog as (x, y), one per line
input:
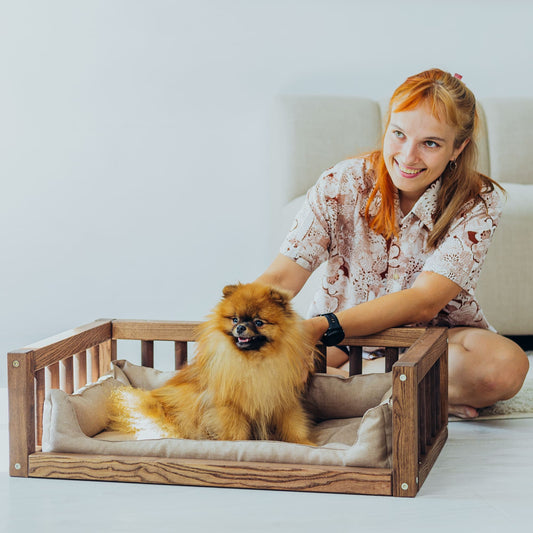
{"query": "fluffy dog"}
(246, 381)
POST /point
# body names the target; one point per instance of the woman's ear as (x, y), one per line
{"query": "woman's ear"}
(457, 151)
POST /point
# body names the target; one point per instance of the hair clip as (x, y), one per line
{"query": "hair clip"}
(458, 76)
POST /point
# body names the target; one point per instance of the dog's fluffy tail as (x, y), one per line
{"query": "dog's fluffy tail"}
(137, 412)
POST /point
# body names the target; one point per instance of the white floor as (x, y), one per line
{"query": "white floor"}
(482, 481)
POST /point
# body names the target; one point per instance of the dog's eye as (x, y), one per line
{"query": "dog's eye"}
(258, 323)
(235, 320)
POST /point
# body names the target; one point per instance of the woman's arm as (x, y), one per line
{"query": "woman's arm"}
(285, 274)
(429, 294)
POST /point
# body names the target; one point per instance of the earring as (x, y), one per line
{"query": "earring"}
(453, 165)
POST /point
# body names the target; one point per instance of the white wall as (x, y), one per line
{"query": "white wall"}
(134, 134)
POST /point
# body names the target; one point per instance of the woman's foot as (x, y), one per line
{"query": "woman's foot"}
(463, 411)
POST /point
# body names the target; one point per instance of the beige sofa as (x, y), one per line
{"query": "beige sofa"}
(311, 133)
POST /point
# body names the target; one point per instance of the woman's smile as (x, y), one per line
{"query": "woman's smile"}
(408, 172)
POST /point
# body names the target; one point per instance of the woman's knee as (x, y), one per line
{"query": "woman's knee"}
(501, 364)
(506, 370)
(511, 370)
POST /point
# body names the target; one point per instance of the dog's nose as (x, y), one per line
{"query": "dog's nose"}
(241, 329)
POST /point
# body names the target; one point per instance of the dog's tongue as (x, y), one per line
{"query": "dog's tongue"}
(242, 340)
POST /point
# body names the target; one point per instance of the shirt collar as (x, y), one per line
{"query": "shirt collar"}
(427, 204)
(423, 209)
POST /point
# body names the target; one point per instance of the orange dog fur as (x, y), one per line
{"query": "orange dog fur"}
(245, 382)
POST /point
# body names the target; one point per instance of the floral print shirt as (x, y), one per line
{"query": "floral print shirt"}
(362, 265)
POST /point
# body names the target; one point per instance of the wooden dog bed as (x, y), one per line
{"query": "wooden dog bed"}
(419, 413)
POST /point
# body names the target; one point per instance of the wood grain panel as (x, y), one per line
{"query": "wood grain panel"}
(389, 338)
(212, 473)
(53, 349)
(21, 393)
(405, 434)
(155, 330)
(426, 350)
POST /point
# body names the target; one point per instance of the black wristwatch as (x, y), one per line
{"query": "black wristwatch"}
(334, 333)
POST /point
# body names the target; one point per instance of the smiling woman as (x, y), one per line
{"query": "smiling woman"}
(404, 232)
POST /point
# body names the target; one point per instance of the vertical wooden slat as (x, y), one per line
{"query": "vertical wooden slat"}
(405, 431)
(66, 367)
(355, 356)
(108, 352)
(147, 354)
(52, 375)
(443, 375)
(391, 356)
(21, 411)
(435, 395)
(180, 355)
(81, 370)
(321, 360)
(40, 393)
(422, 418)
(95, 362)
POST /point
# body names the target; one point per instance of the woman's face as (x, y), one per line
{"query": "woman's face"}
(417, 147)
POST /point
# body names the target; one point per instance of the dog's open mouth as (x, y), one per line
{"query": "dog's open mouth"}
(250, 343)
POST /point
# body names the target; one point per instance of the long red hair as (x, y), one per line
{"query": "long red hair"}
(450, 100)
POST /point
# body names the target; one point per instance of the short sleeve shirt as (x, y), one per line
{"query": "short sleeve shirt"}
(362, 265)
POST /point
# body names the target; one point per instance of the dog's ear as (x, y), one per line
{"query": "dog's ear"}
(228, 290)
(280, 296)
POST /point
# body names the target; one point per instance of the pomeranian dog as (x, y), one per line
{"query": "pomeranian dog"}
(245, 382)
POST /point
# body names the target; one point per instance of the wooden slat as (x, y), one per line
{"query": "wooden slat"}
(321, 360)
(393, 337)
(95, 362)
(108, 353)
(425, 351)
(147, 354)
(428, 461)
(391, 356)
(21, 410)
(443, 377)
(53, 349)
(180, 355)
(355, 357)
(66, 367)
(234, 474)
(435, 398)
(405, 431)
(155, 330)
(52, 375)
(40, 393)
(81, 370)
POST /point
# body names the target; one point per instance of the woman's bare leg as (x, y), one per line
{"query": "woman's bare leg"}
(484, 367)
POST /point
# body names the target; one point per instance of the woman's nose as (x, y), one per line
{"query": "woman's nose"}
(409, 153)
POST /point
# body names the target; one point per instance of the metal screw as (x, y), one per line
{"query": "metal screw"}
(403, 377)
(405, 486)
(16, 364)
(17, 466)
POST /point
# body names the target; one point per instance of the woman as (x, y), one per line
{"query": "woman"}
(405, 231)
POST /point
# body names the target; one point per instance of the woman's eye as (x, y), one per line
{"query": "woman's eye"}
(258, 323)
(398, 134)
(431, 144)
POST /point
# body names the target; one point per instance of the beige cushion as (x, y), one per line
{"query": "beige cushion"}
(353, 427)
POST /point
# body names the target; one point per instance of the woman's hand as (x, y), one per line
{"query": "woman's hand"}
(315, 327)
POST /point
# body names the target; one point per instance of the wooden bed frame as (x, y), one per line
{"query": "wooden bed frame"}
(420, 413)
